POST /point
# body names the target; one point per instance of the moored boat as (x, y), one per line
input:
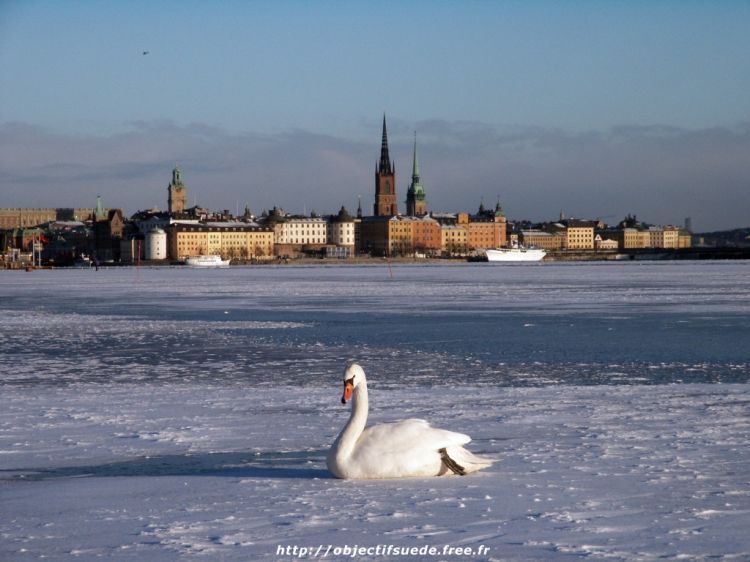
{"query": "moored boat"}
(516, 254)
(206, 261)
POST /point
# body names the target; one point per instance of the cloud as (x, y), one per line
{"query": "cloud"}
(662, 174)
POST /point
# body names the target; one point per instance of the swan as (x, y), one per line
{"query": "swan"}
(408, 448)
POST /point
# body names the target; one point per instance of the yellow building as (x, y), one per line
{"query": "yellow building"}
(400, 235)
(667, 237)
(629, 238)
(670, 237)
(229, 240)
(579, 235)
(455, 239)
(16, 217)
(541, 239)
(601, 243)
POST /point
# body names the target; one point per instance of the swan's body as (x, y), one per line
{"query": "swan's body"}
(409, 448)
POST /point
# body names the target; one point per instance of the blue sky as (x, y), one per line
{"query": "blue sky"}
(510, 99)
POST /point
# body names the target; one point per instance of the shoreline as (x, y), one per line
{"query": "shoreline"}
(618, 256)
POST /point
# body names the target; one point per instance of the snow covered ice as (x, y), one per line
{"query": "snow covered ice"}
(166, 414)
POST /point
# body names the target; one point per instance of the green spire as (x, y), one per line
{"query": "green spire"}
(415, 168)
(98, 212)
(416, 182)
(415, 195)
(499, 208)
(176, 176)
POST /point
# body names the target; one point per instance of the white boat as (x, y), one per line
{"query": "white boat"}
(206, 261)
(516, 254)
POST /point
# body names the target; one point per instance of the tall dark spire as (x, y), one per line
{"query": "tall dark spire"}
(385, 181)
(385, 160)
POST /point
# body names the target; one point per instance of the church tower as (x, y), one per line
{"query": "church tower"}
(416, 206)
(385, 181)
(177, 200)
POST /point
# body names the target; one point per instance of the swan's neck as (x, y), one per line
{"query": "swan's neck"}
(355, 426)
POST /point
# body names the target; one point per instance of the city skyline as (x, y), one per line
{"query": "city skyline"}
(595, 109)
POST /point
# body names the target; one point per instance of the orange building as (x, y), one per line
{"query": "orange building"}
(426, 236)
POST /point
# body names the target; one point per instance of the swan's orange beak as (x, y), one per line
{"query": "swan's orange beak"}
(348, 389)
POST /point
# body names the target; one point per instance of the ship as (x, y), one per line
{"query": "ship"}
(206, 261)
(515, 254)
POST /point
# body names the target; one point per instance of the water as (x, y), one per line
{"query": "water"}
(525, 325)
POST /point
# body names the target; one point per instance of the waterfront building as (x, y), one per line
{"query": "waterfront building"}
(374, 236)
(549, 241)
(18, 217)
(486, 229)
(156, 245)
(628, 238)
(227, 239)
(176, 194)
(400, 236)
(132, 249)
(294, 235)
(358, 229)
(577, 234)
(342, 232)
(653, 237)
(670, 237)
(454, 239)
(643, 237)
(11, 218)
(400, 240)
(108, 228)
(146, 221)
(416, 204)
(63, 241)
(426, 235)
(684, 238)
(385, 181)
(22, 238)
(601, 243)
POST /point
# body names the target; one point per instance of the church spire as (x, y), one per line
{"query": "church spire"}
(99, 211)
(385, 181)
(415, 167)
(385, 159)
(416, 205)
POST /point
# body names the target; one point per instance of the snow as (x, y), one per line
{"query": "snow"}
(168, 414)
(165, 472)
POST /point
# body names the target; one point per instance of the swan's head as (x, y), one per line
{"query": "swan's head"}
(354, 375)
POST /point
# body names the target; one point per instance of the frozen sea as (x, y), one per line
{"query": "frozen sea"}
(170, 413)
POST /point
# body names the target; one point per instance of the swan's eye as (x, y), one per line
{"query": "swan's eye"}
(350, 381)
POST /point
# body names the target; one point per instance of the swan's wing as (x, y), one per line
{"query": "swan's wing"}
(408, 436)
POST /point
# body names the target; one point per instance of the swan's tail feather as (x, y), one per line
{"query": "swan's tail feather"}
(464, 460)
(450, 464)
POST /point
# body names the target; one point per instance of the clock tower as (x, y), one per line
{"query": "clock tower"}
(177, 199)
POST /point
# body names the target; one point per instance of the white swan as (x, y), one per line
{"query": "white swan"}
(409, 448)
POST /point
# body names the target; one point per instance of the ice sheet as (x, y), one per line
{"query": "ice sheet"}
(165, 472)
